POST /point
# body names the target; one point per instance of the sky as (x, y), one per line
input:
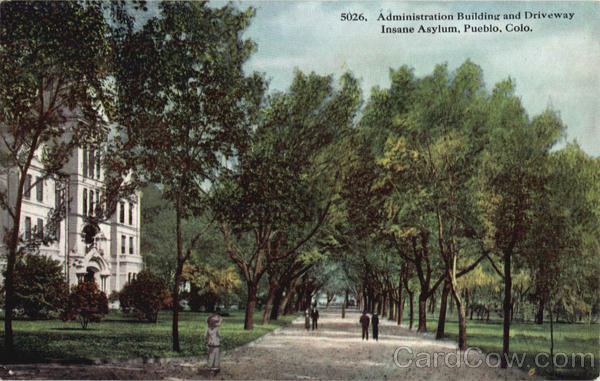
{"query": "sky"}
(554, 65)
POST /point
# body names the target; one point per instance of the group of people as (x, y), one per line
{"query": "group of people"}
(365, 321)
(311, 314)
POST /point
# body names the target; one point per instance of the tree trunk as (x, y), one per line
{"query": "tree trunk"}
(274, 310)
(289, 307)
(178, 271)
(250, 305)
(551, 340)
(462, 321)
(400, 311)
(269, 302)
(422, 312)
(506, 307)
(400, 304)
(432, 304)
(284, 300)
(391, 315)
(11, 260)
(412, 309)
(442, 318)
(345, 305)
(539, 317)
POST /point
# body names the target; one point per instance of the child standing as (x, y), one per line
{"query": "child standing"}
(213, 342)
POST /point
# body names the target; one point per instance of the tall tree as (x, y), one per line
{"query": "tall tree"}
(55, 59)
(280, 191)
(512, 178)
(184, 102)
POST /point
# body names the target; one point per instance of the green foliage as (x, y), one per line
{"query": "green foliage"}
(145, 296)
(86, 303)
(210, 285)
(40, 286)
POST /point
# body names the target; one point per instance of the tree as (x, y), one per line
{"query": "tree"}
(51, 88)
(425, 168)
(158, 240)
(183, 103)
(280, 191)
(512, 178)
(86, 303)
(40, 287)
(561, 251)
(209, 285)
(146, 295)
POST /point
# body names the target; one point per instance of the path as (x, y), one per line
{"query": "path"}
(334, 351)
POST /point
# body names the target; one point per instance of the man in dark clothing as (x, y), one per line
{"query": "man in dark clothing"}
(364, 322)
(375, 324)
(315, 318)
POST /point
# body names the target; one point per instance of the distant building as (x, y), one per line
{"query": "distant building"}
(108, 252)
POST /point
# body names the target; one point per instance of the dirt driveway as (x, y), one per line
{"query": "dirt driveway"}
(334, 351)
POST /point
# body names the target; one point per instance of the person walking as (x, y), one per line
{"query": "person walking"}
(375, 324)
(364, 322)
(315, 318)
(213, 342)
(307, 319)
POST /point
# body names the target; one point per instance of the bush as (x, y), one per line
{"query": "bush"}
(145, 296)
(86, 303)
(40, 287)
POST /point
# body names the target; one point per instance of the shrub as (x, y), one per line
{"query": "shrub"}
(145, 296)
(209, 285)
(86, 303)
(40, 287)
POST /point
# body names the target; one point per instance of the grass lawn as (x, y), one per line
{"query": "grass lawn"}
(530, 339)
(120, 336)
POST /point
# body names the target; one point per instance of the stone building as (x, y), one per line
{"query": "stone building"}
(108, 251)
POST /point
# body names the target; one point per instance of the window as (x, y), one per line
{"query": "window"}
(27, 188)
(85, 162)
(130, 245)
(98, 205)
(98, 162)
(85, 203)
(40, 228)
(130, 214)
(27, 228)
(91, 206)
(91, 164)
(133, 276)
(122, 213)
(89, 233)
(123, 243)
(57, 195)
(39, 187)
(128, 277)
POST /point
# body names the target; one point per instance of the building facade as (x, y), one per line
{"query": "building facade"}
(107, 251)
